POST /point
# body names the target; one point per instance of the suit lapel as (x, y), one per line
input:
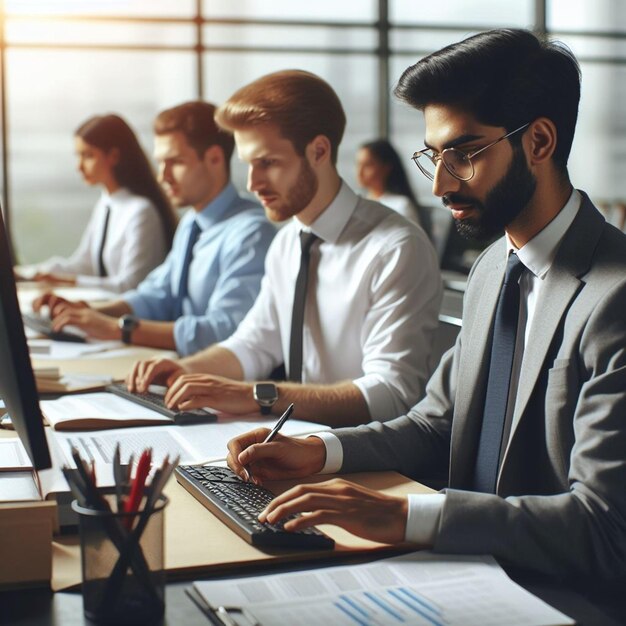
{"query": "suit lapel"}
(562, 284)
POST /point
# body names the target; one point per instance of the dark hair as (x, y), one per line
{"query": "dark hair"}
(397, 180)
(301, 104)
(195, 120)
(505, 78)
(133, 170)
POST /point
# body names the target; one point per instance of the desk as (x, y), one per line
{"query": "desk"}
(42, 607)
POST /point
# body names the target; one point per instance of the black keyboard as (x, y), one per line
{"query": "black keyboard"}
(154, 401)
(238, 504)
(43, 326)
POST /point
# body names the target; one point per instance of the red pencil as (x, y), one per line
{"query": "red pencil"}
(136, 491)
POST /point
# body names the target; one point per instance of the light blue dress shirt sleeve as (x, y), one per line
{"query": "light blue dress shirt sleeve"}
(235, 287)
(224, 276)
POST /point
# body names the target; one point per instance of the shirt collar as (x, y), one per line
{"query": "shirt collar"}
(119, 194)
(217, 209)
(538, 254)
(330, 224)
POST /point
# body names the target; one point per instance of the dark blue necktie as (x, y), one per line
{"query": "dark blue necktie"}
(183, 286)
(299, 302)
(502, 349)
(102, 270)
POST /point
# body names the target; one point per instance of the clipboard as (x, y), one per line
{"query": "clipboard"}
(222, 615)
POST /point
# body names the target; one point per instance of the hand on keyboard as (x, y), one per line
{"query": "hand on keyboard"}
(238, 505)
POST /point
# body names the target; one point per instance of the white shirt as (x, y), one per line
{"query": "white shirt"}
(537, 256)
(135, 244)
(400, 204)
(371, 310)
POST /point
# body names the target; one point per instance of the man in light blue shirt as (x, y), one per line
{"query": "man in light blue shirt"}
(213, 272)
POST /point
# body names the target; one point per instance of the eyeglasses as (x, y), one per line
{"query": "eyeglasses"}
(458, 163)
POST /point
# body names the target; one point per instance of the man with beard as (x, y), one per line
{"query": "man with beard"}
(351, 294)
(213, 273)
(525, 414)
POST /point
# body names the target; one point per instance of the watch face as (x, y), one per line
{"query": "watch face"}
(265, 392)
(129, 322)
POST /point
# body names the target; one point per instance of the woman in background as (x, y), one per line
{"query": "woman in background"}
(381, 174)
(132, 224)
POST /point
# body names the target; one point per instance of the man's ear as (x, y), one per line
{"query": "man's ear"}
(213, 156)
(540, 140)
(319, 150)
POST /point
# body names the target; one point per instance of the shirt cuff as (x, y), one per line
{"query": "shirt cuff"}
(334, 452)
(423, 519)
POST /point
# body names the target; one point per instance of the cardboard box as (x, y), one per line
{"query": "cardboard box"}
(26, 543)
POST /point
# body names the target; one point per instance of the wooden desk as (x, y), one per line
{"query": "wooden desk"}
(197, 543)
(116, 363)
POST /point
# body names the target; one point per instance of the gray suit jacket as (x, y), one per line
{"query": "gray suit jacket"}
(560, 505)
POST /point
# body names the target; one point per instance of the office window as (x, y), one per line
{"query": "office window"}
(127, 8)
(58, 32)
(483, 13)
(598, 159)
(583, 15)
(320, 10)
(352, 76)
(288, 37)
(407, 131)
(425, 41)
(50, 203)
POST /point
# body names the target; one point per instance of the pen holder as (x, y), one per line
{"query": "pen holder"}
(122, 563)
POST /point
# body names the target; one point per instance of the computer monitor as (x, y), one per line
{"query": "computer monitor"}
(17, 381)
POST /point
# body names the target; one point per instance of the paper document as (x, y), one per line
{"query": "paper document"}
(421, 588)
(97, 410)
(18, 487)
(45, 349)
(198, 443)
(13, 455)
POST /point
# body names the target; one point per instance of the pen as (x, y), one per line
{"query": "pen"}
(136, 492)
(272, 434)
(279, 424)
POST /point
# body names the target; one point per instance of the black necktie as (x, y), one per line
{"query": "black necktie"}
(194, 233)
(502, 349)
(299, 301)
(102, 270)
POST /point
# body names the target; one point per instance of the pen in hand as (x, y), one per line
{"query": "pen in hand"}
(272, 434)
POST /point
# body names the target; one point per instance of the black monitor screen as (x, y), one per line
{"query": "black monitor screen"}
(17, 382)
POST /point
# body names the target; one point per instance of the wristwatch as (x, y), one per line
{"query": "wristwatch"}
(266, 395)
(127, 323)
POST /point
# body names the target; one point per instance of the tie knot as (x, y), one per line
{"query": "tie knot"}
(307, 239)
(514, 269)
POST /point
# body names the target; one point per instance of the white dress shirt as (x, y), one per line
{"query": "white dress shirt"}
(371, 310)
(537, 256)
(400, 204)
(135, 244)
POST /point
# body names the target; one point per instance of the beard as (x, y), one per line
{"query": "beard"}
(297, 197)
(503, 203)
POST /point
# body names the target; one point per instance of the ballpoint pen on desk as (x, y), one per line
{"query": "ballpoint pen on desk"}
(272, 434)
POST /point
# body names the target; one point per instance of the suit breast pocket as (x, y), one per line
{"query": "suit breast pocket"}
(562, 393)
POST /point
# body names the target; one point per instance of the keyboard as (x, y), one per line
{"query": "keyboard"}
(238, 503)
(43, 325)
(155, 402)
